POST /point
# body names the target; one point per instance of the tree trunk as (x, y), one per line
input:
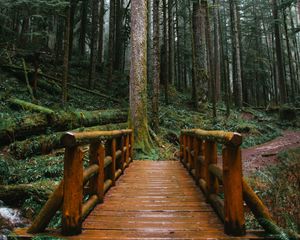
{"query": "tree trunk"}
(73, 5)
(171, 41)
(279, 58)
(66, 57)
(210, 68)
(156, 65)
(94, 41)
(111, 43)
(237, 80)
(119, 31)
(138, 75)
(217, 52)
(179, 67)
(101, 31)
(290, 58)
(165, 62)
(83, 25)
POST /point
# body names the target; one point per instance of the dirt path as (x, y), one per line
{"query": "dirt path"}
(258, 157)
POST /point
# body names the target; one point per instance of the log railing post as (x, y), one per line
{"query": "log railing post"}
(113, 164)
(233, 192)
(181, 147)
(97, 155)
(73, 191)
(184, 149)
(212, 158)
(196, 147)
(123, 155)
(189, 145)
(131, 142)
(128, 149)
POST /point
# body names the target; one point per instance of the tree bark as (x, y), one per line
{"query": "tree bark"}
(66, 57)
(138, 75)
(165, 62)
(101, 31)
(111, 43)
(156, 65)
(237, 80)
(83, 25)
(94, 40)
(279, 57)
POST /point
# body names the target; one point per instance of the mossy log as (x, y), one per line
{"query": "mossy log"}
(70, 120)
(19, 128)
(21, 104)
(44, 144)
(15, 195)
(13, 129)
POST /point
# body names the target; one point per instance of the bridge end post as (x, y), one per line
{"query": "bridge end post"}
(233, 191)
(73, 194)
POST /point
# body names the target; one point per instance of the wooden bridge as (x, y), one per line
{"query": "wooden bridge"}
(152, 199)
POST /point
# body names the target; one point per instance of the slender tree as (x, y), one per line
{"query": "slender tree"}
(83, 26)
(156, 64)
(279, 58)
(111, 43)
(101, 31)
(66, 57)
(237, 74)
(94, 41)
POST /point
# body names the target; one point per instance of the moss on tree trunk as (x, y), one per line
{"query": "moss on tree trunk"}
(138, 76)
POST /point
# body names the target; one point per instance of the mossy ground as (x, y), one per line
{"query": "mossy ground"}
(278, 186)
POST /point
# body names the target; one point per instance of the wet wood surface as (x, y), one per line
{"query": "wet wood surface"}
(153, 200)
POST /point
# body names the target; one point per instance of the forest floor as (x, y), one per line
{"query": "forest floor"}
(257, 158)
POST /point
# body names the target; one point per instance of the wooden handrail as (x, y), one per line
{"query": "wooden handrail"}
(110, 152)
(198, 153)
(231, 138)
(200, 158)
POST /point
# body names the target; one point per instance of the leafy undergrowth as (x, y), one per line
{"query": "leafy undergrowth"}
(257, 127)
(279, 188)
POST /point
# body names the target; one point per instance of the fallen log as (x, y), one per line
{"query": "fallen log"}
(44, 144)
(20, 128)
(62, 121)
(21, 104)
(15, 195)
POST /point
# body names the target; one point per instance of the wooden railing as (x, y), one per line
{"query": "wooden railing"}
(110, 152)
(224, 187)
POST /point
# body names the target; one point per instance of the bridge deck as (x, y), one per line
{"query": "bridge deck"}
(154, 200)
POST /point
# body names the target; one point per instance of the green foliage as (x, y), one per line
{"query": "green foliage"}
(36, 169)
(278, 186)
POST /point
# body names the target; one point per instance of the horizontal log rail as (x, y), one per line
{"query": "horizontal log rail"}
(110, 152)
(198, 153)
